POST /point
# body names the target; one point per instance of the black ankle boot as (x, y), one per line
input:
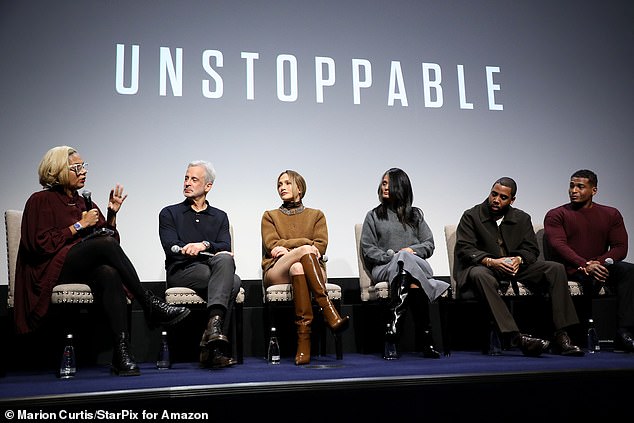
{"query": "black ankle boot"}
(428, 345)
(123, 362)
(213, 335)
(159, 312)
(419, 304)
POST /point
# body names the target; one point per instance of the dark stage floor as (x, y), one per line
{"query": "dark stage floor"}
(464, 384)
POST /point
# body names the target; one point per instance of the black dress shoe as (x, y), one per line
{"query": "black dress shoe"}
(562, 345)
(531, 347)
(624, 340)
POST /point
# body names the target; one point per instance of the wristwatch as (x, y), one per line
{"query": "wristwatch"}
(77, 226)
(207, 244)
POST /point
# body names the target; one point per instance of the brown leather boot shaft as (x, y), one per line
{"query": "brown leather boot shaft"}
(303, 318)
(317, 284)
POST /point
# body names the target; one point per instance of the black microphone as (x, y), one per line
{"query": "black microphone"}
(176, 249)
(87, 199)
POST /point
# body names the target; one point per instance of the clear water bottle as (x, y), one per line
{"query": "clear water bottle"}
(593, 338)
(495, 344)
(163, 360)
(273, 354)
(67, 367)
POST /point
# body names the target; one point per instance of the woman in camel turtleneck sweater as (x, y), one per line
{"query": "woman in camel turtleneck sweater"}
(294, 240)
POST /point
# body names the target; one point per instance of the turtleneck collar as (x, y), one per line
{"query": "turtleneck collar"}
(292, 207)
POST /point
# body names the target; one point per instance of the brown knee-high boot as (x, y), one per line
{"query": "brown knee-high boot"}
(303, 318)
(317, 285)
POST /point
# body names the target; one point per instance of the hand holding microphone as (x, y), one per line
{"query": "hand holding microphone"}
(176, 249)
(90, 217)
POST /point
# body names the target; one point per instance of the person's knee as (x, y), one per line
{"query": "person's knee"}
(224, 261)
(558, 271)
(305, 249)
(296, 269)
(482, 275)
(108, 243)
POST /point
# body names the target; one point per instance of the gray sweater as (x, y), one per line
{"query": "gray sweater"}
(379, 236)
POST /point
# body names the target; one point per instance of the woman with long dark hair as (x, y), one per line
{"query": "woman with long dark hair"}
(396, 243)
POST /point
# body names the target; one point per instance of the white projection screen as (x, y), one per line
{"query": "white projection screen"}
(456, 93)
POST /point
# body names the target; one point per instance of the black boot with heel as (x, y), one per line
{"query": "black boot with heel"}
(419, 304)
(398, 297)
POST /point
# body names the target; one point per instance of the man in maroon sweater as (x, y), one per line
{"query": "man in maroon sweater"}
(590, 239)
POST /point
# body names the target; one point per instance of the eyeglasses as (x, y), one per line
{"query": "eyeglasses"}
(78, 167)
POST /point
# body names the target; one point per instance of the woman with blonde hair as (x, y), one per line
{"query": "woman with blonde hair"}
(294, 241)
(65, 238)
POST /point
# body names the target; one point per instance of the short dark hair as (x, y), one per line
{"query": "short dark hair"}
(588, 174)
(505, 181)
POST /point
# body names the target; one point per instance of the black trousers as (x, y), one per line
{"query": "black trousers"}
(541, 276)
(621, 282)
(102, 264)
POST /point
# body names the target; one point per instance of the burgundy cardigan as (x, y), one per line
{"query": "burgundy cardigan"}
(44, 243)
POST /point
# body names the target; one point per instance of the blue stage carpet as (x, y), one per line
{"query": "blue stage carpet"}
(23, 386)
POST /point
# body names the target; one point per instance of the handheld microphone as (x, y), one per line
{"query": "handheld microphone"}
(324, 258)
(608, 262)
(176, 249)
(87, 199)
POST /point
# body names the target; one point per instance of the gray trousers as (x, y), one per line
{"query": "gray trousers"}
(214, 278)
(417, 267)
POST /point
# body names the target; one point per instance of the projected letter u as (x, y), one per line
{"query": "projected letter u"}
(134, 71)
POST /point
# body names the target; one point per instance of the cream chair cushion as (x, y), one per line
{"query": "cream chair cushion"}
(450, 238)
